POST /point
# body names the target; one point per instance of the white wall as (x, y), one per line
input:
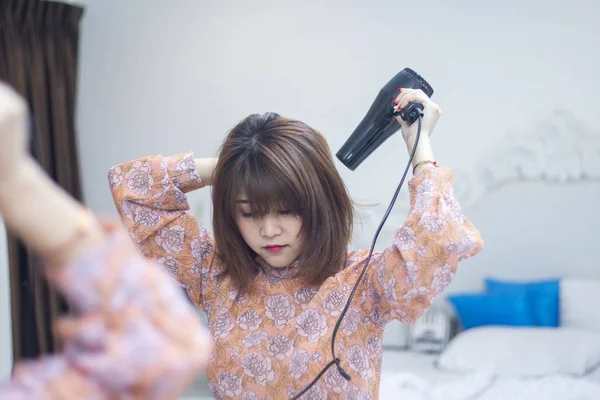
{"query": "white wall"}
(166, 77)
(5, 318)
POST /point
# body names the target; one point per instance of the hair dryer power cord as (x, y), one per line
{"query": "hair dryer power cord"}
(336, 360)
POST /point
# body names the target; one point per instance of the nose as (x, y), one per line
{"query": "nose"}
(270, 226)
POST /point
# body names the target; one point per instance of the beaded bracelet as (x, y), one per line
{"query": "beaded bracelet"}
(434, 163)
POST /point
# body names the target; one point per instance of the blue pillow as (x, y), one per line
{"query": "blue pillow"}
(492, 309)
(543, 297)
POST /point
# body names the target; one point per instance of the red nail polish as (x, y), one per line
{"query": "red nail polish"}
(395, 101)
(399, 89)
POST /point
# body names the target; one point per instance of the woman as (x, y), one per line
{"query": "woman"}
(277, 274)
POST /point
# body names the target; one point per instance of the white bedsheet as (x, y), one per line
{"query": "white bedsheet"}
(413, 376)
(421, 364)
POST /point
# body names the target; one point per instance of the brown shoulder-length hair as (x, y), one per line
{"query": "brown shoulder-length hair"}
(278, 161)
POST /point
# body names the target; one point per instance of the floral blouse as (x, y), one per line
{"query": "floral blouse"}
(127, 337)
(272, 343)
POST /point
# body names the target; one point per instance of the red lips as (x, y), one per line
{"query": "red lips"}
(274, 249)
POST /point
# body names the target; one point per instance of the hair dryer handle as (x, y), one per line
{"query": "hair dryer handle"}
(411, 112)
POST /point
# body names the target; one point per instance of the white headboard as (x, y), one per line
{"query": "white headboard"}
(560, 150)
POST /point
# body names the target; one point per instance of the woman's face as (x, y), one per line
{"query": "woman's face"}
(276, 237)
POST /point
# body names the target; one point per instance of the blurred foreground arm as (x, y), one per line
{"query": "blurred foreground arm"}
(132, 333)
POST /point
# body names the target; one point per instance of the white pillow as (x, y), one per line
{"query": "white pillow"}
(579, 299)
(522, 351)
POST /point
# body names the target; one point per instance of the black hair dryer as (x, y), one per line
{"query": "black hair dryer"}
(379, 123)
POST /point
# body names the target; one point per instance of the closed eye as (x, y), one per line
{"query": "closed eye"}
(280, 212)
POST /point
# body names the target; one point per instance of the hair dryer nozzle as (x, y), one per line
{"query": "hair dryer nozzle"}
(420, 82)
(379, 123)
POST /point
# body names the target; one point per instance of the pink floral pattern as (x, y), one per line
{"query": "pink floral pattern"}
(451, 207)
(424, 196)
(304, 296)
(274, 341)
(139, 178)
(280, 347)
(222, 325)
(115, 177)
(451, 246)
(467, 247)
(249, 320)
(357, 359)
(411, 272)
(334, 303)
(299, 363)
(312, 324)
(170, 264)
(259, 367)
(415, 293)
(405, 238)
(279, 309)
(317, 392)
(335, 381)
(432, 221)
(442, 276)
(350, 322)
(373, 347)
(129, 337)
(230, 384)
(146, 216)
(171, 239)
(255, 338)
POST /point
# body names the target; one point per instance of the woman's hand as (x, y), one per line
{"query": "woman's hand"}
(205, 168)
(13, 133)
(33, 206)
(431, 114)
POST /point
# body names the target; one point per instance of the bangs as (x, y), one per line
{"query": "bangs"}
(266, 187)
(279, 164)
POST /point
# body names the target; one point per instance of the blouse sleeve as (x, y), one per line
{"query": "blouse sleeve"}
(48, 378)
(131, 333)
(149, 194)
(402, 281)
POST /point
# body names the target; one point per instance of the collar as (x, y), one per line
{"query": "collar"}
(281, 273)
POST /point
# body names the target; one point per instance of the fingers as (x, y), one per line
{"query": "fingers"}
(407, 96)
(13, 110)
(10, 98)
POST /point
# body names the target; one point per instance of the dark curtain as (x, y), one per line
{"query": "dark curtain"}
(38, 57)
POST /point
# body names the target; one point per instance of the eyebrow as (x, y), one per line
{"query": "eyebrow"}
(242, 201)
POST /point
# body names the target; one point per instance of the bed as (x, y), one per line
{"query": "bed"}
(560, 361)
(412, 375)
